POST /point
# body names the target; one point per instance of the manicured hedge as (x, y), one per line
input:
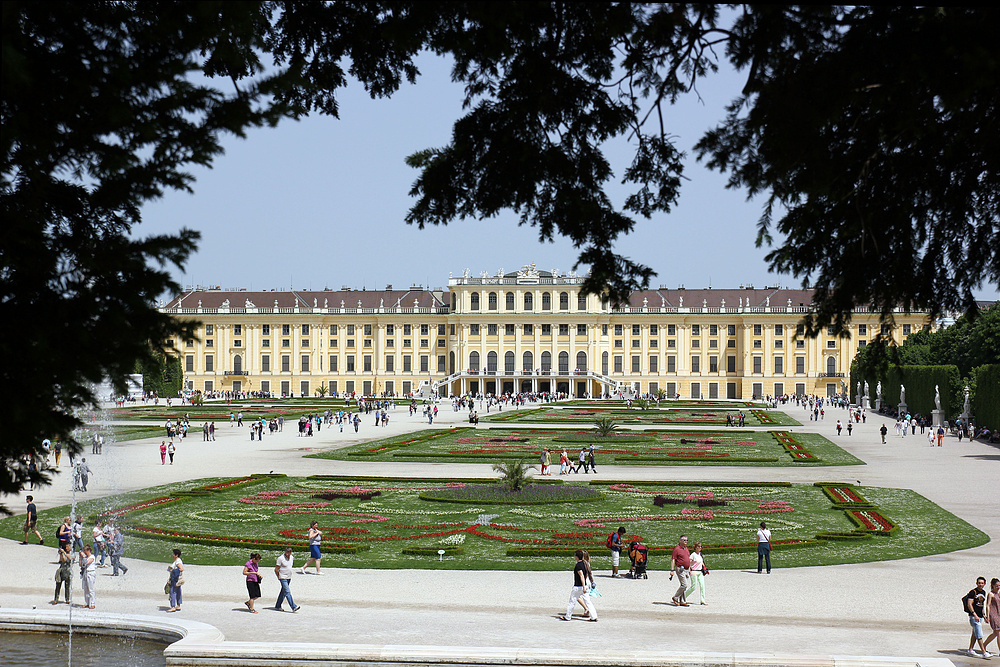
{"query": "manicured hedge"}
(675, 482)
(986, 405)
(433, 551)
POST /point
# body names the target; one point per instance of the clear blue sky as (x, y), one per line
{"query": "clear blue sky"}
(321, 203)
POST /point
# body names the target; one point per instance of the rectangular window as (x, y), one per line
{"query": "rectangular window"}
(424, 363)
(695, 329)
(209, 343)
(779, 364)
(563, 329)
(209, 385)
(366, 363)
(440, 330)
(285, 387)
(305, 342)
(333, 364)
(529, 330)
(618, 330)
(390, 387)
(618, 364)
(800, 365)
(635, 363)
(581, 302)
(779, 344)
(696, 343)
(452, 329)
(862, 343)
(304, 388)
(695, 363)
(713, 329)
(407, 342)
(671, 329)
(425, 343)
(189, 343)
(604, 329)
(390, 363)
(209, 363)
(333, 329)
(350, 342)
(189, 363)
(695, 390)
(441, 363)
(713, 344)
(350, 363)
(635, 330)
(907, 329)
(508, 329)
(581, 329)
(654, 330)
(654, 388)
(333, 342)
(407, 363)
(731, 329)
(407, 387)
(862, 329)
(831, 344)
(407, 330)
(366, 387)
(619, 343)
(473, 329)
(350, 329)
(671, 364)
(209, 329)
(758, 363)
(265, 386)
(654, 364)
(758, 344)
(286, 363)
(265, 363)
(368, 330)
(349, 386)
(757, 330)
(285, 342)
(713, 364)
(237, 343)
(546, 329)
(286, 329)
(424, 330)
(779, 330)
(390, 343)
(730, 364)
(654, 343)
(831, 331)
(671, 342)
(305, 329)
(491, 330)
(800, 344)
(266, 342)
(390, 330)
(730, 343)
(305, 363)
(779, 388)
(237, 329)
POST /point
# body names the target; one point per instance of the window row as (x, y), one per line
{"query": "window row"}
(527, 301)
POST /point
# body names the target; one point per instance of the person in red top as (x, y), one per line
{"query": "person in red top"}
(680, 561)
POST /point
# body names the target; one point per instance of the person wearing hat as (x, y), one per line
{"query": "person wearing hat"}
(283, 570)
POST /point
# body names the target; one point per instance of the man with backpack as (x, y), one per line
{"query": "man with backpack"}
(614, 542)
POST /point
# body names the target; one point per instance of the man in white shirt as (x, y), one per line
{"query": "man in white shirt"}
(283, 570)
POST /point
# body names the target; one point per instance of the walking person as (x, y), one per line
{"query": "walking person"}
(315, 537)
(975, 601)
(591, 460)
(163, 452)
(78, 534)
(170, 451)
(580, 591)
(763, 547)
(251, 570)
(176, 570)
(98, 546)
(88, 576)
(64, 574)
(84, 473)
(31, 521)
(698, 572)
(680, 562)
(117, 547)
(992, 615)
(283, 571)
(583, 460)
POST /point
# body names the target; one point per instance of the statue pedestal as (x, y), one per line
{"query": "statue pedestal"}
(878, 404)
(937, 417)
(966, 418)
(901, 409)
(866, 404)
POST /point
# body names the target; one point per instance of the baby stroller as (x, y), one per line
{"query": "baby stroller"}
(639, 555)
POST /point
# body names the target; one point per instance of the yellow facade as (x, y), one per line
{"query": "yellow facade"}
(525, 331)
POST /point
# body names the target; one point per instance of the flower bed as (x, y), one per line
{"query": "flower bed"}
(495, 494)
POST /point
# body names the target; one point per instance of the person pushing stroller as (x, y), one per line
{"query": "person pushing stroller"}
(638, 553)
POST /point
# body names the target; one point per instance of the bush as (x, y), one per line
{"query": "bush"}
(986, 404)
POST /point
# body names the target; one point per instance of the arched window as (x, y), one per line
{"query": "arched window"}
(238, 364)
(564, 362)
(546, 361)
(831, 365)
(529, 362)
(451, 362)
(493, 300)
(529, 301)
(508, 362)
(604, 363)
(475, 301)
(546, 301)
(474, 361)
(581, 301)
(581, 361)
(491, 362)
(564, 301)
(509, 301)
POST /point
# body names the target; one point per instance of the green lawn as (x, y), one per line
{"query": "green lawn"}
(656, 447)
(371, 521)
(690, 416)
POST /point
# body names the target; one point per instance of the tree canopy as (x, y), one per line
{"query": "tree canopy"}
(871, 132)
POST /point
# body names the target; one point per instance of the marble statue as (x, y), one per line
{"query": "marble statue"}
(965, 406)
(866, 388)
(937, 398)
(902, 394)
(878, 390)
(859, 391)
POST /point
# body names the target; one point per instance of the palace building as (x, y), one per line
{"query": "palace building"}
(523, 331)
